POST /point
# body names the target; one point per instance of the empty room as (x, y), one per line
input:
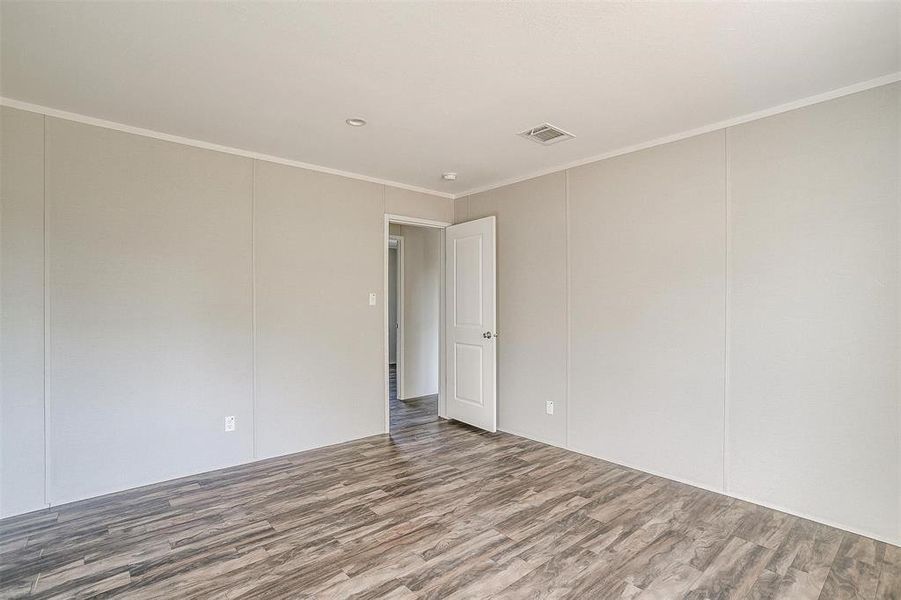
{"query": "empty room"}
(463, 300)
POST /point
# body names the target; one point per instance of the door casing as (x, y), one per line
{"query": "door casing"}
(399, 291)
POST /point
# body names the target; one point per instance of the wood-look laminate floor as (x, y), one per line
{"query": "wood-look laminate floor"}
(438, 510)
(410, 412)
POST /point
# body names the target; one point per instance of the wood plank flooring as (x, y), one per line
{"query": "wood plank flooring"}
(438, 510)
(410, 412)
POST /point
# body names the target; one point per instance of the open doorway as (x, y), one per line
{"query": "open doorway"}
(414, 323)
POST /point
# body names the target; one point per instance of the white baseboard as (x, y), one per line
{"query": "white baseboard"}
(783, 509)
(534, 438)
(117, 489)
(830, 523)
(682, 480)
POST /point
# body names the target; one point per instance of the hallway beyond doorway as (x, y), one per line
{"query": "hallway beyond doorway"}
(414, 411)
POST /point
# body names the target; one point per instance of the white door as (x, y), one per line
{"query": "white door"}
(471, 320)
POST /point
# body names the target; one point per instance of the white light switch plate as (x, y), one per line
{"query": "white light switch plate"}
(371, 299)
(229, 423)
(549, 407)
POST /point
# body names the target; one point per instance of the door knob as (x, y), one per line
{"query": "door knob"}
(488, 335)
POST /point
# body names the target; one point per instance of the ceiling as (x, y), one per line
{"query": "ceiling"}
(444, 86)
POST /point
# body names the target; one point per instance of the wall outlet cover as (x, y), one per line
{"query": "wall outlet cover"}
(549, 407)
(230, 423)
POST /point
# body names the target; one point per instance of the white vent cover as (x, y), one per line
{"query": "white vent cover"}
(546, 134)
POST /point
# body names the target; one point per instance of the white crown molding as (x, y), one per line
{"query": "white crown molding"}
(70, 116)
(761, 114)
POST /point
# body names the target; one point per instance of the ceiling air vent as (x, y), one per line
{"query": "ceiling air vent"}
(546, 134)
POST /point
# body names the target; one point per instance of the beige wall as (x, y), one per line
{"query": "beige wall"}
(393, 315)
(422, 291)
(157, 255)
(150, 304)
(21, 311)
(319, 350)
(733, 309)
(406, 203)
(647, 289)
(814, 303)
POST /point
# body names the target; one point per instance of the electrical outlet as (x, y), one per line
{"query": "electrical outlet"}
(549, 407)
(230, 423)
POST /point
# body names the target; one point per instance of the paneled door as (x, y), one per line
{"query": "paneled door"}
(471, 323)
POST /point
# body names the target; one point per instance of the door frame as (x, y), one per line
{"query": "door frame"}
(442, 371)
(399, 290)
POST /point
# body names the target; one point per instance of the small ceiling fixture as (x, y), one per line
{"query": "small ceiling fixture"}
(449, 176)
(546, 134)
(355, 122)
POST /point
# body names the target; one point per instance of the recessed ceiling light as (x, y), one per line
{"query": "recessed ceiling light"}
(355, 122)
(449, 176)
